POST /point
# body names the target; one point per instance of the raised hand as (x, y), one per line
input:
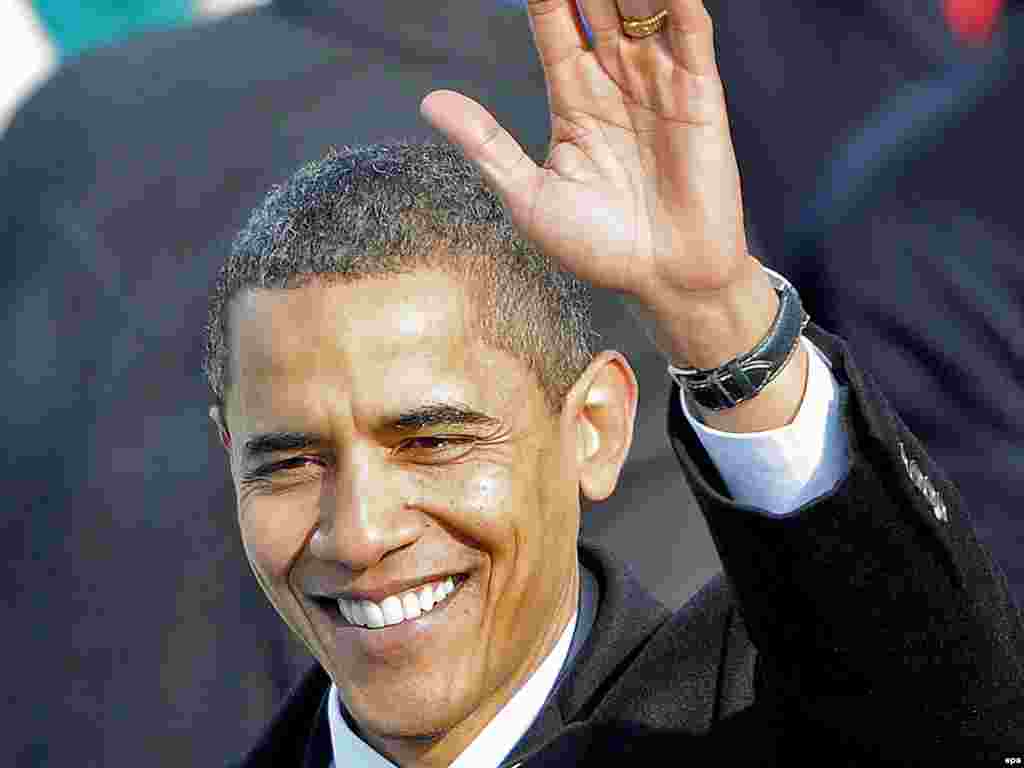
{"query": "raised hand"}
(640, 191)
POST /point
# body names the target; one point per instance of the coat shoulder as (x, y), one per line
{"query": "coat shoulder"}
(696, 668)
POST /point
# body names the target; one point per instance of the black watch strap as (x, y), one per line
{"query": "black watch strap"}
(745, 376)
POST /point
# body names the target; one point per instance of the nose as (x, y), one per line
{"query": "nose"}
(363, 515)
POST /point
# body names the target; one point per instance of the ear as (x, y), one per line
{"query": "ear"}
(217, 417)
(604, 402)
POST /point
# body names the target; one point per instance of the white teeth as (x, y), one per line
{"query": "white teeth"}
(426, 598)
(391, 607)
(345, 610)
(374, 614)
(396, 608)
(411, 605)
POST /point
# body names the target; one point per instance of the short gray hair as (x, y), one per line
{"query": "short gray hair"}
(398, 207)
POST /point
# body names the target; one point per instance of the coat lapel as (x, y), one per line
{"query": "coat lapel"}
(627, 615)
(619, 616)
(320, 748)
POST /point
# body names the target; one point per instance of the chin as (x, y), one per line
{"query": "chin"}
(409, 726)
(404, 712)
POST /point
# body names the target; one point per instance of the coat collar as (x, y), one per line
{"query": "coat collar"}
(625, 615)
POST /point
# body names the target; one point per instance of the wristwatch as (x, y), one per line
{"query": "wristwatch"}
(745, 376)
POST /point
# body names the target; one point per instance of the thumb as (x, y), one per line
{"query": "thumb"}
(502, 162)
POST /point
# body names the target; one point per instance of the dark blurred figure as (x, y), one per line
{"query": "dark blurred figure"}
(137, 632)
(881, 164)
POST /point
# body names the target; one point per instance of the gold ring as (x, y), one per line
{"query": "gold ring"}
(644, 26)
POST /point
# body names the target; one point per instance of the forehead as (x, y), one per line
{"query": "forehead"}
(371, 345)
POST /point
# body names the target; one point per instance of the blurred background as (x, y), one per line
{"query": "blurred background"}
(37, 35)
(878, 142)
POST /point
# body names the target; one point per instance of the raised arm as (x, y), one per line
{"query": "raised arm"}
(640, 192)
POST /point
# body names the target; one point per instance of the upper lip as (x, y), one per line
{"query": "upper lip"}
(377, 591)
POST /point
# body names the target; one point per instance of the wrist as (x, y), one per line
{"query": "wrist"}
(736, 323)
(711, 330)
(775, 406)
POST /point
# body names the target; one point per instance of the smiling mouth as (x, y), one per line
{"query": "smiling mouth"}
(395, 609)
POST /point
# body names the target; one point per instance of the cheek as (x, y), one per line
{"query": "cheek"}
(490, 501)
(514, 520)
(556, 492)
(496, 510)
(484, 511)
(273, 533)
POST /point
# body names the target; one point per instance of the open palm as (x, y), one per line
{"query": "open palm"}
(640, 191)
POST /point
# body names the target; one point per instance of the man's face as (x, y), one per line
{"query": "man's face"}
(364, 470)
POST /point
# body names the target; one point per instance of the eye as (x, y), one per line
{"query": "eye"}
(433, 444)
(299, 462)
(279, 468)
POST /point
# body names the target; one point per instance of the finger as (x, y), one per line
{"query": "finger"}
(642, 9)
(691, 37)
(502, 162)
(606, 17)
(687, 35)
(557, 31)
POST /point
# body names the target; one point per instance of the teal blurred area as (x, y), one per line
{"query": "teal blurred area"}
(76, 25)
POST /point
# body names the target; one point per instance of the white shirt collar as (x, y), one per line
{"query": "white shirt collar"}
(491, 745)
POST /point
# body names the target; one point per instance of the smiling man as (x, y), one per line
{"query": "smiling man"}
(401, 356)
(406, 499)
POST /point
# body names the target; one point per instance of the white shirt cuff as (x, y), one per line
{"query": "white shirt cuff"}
(782, 469)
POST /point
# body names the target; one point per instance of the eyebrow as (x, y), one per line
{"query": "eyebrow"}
(440, 414)
(426, 416)
(278, 442)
